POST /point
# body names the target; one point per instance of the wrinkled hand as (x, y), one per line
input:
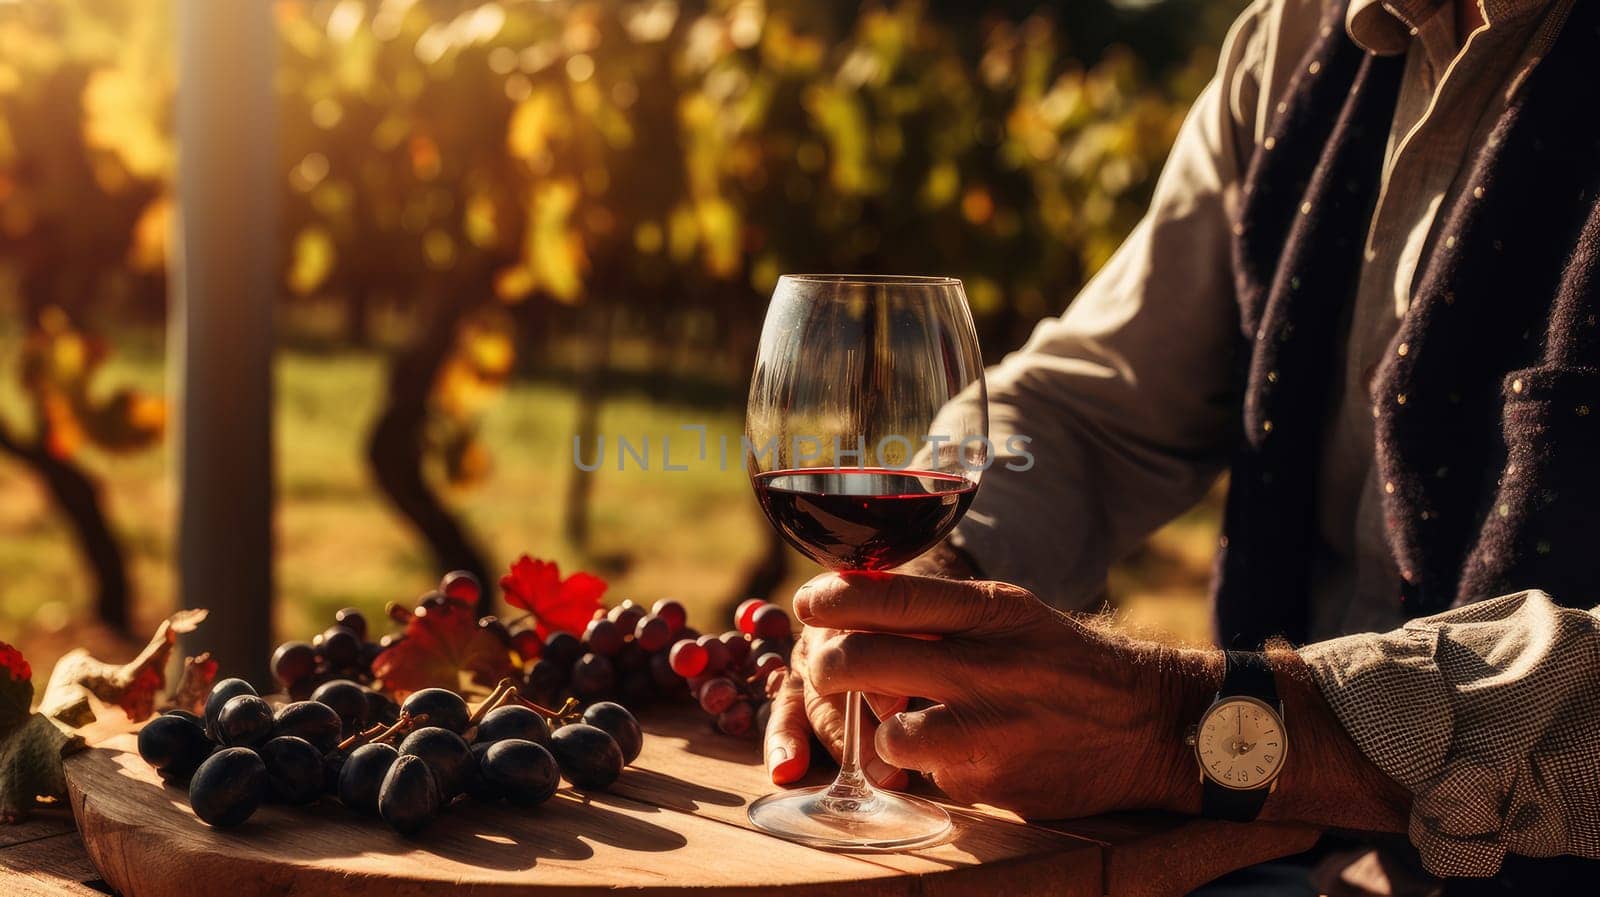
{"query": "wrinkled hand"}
(1037, 711)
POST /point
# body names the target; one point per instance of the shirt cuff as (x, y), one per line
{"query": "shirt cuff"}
(1486, 715)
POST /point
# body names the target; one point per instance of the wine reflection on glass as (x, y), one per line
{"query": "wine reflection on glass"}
(866, 431)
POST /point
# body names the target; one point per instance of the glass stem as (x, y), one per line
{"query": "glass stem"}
(850, 791)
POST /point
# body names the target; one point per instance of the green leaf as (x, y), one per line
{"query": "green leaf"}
(30, 765)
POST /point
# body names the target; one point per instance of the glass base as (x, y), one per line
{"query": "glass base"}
(883, 820)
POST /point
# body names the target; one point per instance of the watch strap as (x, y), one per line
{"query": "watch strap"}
(1245, 674)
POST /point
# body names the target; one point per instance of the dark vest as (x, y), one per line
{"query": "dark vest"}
(1487, 407)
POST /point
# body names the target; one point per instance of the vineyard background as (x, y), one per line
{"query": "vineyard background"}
(510, 223)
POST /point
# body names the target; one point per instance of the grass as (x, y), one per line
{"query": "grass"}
(686, 534)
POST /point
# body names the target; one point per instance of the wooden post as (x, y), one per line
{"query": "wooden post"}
(225, 281)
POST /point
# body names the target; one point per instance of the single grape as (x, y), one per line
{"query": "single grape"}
(604, 637)
(513, 721)
(220, 694)
(771, 622)
(630, 659)
(717, 695)
(492, 625)
(562, 649)
(589, 758)
(431, 601)
(527, 645)
(477, 786)
(717, 657)
(780, 647)
(765, 664)
(666, 679)
(688, 659)
(361, 776)
(293, 663)
(381, 709)
(409, 797)
(738, 648)
(524, 772)
(244, 721)
(294, 770)
(228, 787)
(189, 715)
(545, 679)
(674, 613)
(353, 620)
(369, 653)
(744, 618)
(332, 765)
(341, 646)
(347, 699)
(737, 719)
(652, 634)
(311, 720)
(174, 745)
(462, 586)
(626, 615)
(444, 708)
(615, 720)
(446, 754)
(593, 677)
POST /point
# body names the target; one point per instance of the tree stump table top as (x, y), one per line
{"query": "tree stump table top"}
(674, 824)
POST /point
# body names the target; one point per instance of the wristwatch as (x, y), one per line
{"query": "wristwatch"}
(1240, 741)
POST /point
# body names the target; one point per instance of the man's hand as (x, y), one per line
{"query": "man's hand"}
(1044, 713)
(1037, 711)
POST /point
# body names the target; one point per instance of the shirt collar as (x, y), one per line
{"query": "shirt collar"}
(1385, 27)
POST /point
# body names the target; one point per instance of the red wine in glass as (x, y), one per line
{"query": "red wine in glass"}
(863, 518)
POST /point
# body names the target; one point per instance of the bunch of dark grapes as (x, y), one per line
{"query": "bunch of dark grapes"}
(634, 656)
(404, 763)
(341, 651)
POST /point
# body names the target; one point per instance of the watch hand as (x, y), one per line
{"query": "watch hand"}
(1239, 715)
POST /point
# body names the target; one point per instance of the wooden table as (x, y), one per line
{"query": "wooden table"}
(674, 823)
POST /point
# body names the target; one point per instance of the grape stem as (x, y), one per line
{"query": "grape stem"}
(502, 692)
(568, 712)
(398, 612)
(379, 733)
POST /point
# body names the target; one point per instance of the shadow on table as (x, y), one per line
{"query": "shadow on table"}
(671, 792)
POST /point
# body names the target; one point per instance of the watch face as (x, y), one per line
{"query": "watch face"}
(1240, 743)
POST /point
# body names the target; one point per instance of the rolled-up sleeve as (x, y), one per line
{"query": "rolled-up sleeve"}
(1126, 402)
(1490, 716)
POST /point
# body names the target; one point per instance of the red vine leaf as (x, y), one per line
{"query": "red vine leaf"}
(443, 644)
(556, 604)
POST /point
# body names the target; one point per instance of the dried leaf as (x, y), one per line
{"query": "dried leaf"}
(556, 604)
(443, 646)
(131, 686)
(194, 683)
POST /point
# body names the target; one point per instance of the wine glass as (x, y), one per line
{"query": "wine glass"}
(865, 434)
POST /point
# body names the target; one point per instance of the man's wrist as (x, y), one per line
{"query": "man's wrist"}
(1188, 682)
(1326, 780)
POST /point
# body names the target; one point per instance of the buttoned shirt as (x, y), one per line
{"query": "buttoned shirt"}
(1130, 408)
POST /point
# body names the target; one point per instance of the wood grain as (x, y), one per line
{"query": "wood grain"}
(44, 857)
(673, 825)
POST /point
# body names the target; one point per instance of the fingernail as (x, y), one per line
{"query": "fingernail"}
(776, 756)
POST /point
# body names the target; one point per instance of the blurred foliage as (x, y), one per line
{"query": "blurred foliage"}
(497, 171)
